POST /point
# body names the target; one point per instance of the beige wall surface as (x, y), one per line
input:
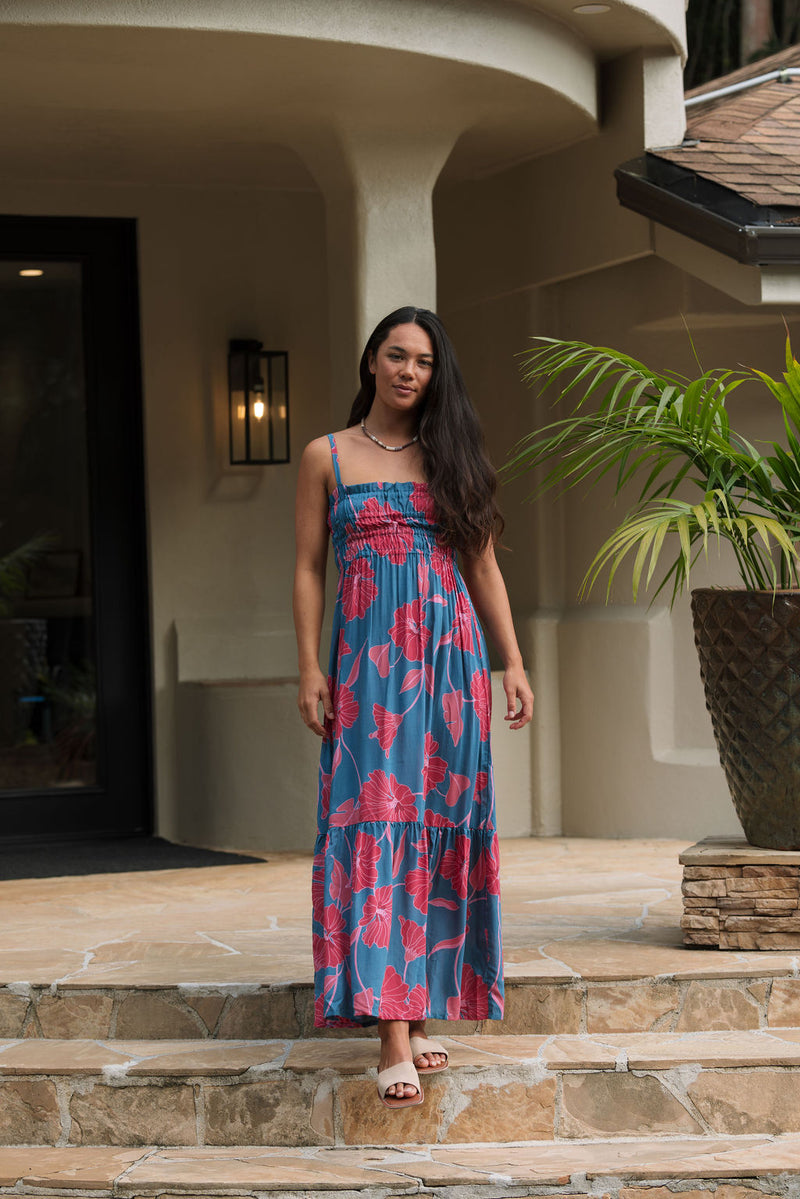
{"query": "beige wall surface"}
(214, 264)
(235, 767)
(248, 770)
(173, 110)
(684, 790)
(622, 744)
(502, 244)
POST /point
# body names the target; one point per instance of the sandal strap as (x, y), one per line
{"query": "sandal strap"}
(425, 1045)
(404, 1072)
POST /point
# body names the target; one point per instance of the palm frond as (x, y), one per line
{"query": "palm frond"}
(646, 528)
(667, 430)
(14, 568)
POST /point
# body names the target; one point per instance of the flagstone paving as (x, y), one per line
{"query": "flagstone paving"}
(574, 1169)
(156, 1038)
(592, 937)
(598, 909)
(225, 952)
(206, 1058)
(318, 1092)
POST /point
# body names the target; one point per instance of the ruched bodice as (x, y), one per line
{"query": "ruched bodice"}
(388, 519)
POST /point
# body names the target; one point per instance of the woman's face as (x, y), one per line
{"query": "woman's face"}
(402, 366)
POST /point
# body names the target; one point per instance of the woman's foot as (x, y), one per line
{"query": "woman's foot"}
(394, 1050)
(427, 1060)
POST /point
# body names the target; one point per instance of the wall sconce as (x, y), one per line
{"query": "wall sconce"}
(258, 403)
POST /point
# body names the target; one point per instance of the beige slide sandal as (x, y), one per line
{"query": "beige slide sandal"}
(404, 1072)
(424, 1045)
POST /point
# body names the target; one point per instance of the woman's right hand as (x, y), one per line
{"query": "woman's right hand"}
(313, 692)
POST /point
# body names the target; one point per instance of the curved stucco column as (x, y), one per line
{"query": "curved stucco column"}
(378, 188)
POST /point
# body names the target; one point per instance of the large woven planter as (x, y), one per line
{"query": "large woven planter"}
(749, 648)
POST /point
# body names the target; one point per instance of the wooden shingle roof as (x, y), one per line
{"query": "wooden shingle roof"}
(748, 142)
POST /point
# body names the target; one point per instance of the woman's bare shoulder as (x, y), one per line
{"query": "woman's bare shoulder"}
(322, 445)
(315, 463)
(317, 454)
(351, 433)
(317, 448)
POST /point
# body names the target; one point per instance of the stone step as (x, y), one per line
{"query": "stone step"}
(721, 1168)
(314, 1092)
(730, 995)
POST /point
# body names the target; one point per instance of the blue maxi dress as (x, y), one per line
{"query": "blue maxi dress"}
(406, 896)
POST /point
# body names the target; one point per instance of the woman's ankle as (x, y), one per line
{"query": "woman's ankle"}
(389, 1030)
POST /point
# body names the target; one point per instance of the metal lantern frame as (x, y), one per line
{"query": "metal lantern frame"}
(252, 375)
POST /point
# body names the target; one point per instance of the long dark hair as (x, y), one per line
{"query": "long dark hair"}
(461, 480)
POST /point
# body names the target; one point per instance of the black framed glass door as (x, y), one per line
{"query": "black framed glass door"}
(75, 725)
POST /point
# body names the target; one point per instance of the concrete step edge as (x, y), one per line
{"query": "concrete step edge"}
(710, 997)
(116, 1059)
(495, 1099)
(250, 1170)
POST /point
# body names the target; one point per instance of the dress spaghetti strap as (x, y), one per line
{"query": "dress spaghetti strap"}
(335, 458)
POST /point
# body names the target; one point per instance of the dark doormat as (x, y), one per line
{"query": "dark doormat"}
(111, 856)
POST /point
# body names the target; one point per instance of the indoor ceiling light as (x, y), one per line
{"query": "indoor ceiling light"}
(31, 273)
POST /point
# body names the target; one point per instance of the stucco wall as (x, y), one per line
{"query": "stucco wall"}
(213, 264)
(217, 261)
(622, 744)
(682, 791)
(235, 767)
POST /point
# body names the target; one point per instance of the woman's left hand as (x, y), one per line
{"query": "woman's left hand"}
(517, 688)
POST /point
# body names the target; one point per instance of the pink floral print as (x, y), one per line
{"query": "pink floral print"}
(405, 883)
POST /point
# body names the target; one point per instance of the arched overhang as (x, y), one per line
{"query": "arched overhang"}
(158, 92)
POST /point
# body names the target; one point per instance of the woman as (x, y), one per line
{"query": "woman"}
(406, 894)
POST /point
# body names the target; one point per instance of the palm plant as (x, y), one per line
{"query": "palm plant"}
(14, 568)
(663, 429)
(72, 692)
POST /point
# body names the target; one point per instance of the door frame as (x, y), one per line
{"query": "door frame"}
(121, 801)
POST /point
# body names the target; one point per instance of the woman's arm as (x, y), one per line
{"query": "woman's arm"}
(308, 602)
(488, 591)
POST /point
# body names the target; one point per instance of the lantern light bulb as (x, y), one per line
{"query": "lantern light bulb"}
(258, 409)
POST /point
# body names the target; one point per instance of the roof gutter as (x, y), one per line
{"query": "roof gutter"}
(755, 245)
